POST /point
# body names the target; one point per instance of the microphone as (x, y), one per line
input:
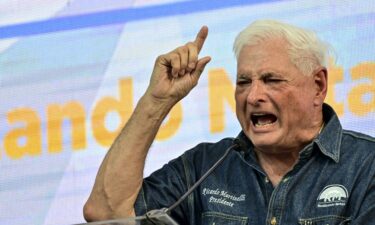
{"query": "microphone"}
(161, 216)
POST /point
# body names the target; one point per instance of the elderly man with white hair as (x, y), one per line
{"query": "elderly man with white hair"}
(295, 163)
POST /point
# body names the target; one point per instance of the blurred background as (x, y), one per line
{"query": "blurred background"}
(72, 71)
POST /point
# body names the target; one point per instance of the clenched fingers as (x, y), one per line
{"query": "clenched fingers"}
(193, 56)
(183, 60)
(183, 52)
(201, 64)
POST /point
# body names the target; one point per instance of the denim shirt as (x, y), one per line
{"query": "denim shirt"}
(332, 183)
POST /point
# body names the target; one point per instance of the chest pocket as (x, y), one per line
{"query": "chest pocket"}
(216, 218)
(325, 220)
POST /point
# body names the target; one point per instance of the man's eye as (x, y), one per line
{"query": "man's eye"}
(243, 82)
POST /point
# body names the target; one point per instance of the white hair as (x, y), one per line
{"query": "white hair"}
(305, 49)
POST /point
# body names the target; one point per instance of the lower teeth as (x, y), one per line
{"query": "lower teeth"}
(262, 125)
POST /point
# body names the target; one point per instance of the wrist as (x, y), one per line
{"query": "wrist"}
(155, 108)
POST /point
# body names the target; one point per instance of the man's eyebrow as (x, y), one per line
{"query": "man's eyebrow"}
(243, 76)
(269, 75)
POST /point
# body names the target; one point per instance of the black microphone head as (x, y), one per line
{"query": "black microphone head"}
(241, 145)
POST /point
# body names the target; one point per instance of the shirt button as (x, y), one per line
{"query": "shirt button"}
(273, 221)
(266, 180)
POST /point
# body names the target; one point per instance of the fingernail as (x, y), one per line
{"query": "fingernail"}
(191, 65)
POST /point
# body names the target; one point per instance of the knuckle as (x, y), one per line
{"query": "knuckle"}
(184, 49)
(193, 60)
(174, 56)
(160, 57)
(176, 66)
(190, 44)
(184, 63)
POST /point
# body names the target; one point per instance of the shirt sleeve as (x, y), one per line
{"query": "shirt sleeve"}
(163, 188)
(366, 212)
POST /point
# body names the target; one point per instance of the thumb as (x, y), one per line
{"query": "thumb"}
(201, 64)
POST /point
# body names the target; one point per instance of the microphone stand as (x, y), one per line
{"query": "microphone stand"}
(162, 217)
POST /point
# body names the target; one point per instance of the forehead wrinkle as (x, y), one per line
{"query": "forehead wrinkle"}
(261, 59)
(262, 73)
(256, 64)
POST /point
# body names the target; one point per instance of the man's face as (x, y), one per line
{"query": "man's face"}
(276, 104)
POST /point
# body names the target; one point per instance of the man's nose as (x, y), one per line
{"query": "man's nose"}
(256, 94)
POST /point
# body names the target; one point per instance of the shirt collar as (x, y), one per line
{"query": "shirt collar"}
(328, 141)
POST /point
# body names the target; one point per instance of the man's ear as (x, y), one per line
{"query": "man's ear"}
(321, 85)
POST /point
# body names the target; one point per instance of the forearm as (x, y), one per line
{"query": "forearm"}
(120, 176)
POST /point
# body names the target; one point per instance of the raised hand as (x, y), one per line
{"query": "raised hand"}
(120, 176)
(178, 71)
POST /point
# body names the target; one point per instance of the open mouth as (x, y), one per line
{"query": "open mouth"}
(263, 119)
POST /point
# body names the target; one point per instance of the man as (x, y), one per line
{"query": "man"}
(298, 166)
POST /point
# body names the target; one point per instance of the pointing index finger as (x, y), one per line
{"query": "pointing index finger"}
(201, 37)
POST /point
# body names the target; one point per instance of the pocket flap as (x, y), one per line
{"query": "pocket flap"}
(218, 218)
(325, 220)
